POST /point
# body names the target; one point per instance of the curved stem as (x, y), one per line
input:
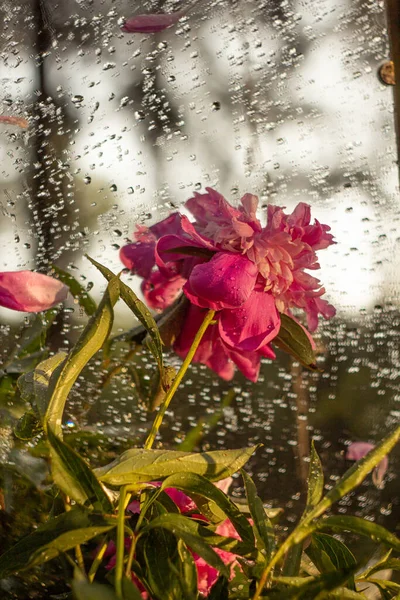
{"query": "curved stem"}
(119, 565)
(170, 394)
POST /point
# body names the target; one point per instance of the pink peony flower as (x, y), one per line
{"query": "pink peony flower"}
(357, 451)
(226, 261)
(27, 291)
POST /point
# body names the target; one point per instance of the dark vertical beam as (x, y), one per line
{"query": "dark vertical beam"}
(40, 192)
(393, 20)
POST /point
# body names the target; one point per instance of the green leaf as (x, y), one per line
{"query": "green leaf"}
(90, 341)
(315, 488)
(387, 588)
(192, 251)
(172, 319)
(293, 339)
(141, 465)
(33, 337)
(140, 311)
(310, 587)
(350, 480)
(362, 527)
(391, 563)
(161, 570)
(83, 590)
(188, 572)
(193, 535)
(195, 485)
(72, 474)
(129, 590)
(338, 554)
(28, 426)
(207, 423)
(315, 480)
(34, 386)
(54, 537)
(262, 524)
(77, 290)
(220, 589)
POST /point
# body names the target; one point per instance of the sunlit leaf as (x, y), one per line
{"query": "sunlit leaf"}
(34, 386)
(293, 339)
(262, 524)
(308, 588)
(139, 464)
(77, 290)
(75, 477)
(360, 526)
(54, 537)
(90, 341)
(391, 563)
(315, 488)
(315, 480)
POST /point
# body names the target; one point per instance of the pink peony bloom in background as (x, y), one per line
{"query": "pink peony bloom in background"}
(225, 260)
(27, 291)
(357, 451)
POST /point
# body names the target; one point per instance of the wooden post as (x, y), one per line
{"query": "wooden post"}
(393, 20)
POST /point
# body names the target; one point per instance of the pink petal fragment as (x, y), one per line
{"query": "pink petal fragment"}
(27, 291)
(19, 121)
(160, 291)
(139, 257)
(152, 23)
(226, 281)
(252, 325)
(357, 451)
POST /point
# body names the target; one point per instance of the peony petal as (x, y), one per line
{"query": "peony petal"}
(211, 206)
(248, 363)
(252, 325)
(160, 291)
(27, 291)
(211, 351)
(226, 281)
(10, 120)
(139, 257)
(152, 23)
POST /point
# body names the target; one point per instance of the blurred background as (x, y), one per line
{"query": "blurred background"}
(280, 98)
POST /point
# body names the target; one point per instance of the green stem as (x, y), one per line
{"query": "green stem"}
(97, 561)
(119, 565)
(130, 557)
(170, 394)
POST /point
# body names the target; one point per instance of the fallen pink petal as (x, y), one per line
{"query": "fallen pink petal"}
(357, 451)
(18, 121)
(152, 23)
(27, 291)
